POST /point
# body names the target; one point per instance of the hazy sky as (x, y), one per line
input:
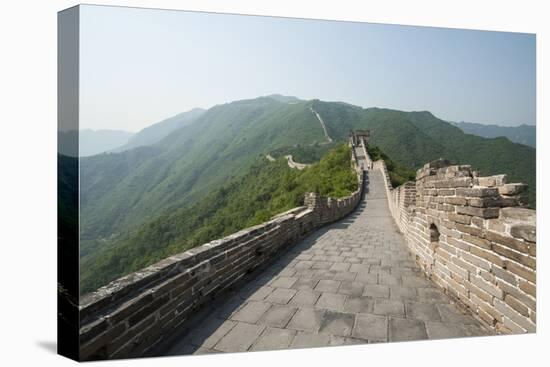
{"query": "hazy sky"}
(139, 66)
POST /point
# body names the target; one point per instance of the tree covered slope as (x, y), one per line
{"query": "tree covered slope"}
(267, 188)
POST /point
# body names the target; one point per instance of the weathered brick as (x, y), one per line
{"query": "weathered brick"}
(488, 287)
(482, 294)
(513, 315)
(492, 201)
(513, 255)
(519, 214)
(487, 255)
(528, 288)
(477, 192)
(524, 231)
(521, 271)
(478, 212)
(523, 297)
(446, 192)
(474, 231)
(478, 222)
(464, 219)
(504, 274)
(474, 240)
(455, 200)
(512, 189)
(510, 242)
(516, 305)
(475, 260)
(496, 180)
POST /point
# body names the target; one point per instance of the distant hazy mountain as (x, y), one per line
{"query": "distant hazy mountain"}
(522, 134)
(160, 130)
(91, 142)
(98, 141)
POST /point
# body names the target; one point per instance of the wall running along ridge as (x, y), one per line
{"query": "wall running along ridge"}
(473, 238)
(130, 316)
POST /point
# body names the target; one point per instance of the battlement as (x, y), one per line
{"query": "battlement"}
(473, 236)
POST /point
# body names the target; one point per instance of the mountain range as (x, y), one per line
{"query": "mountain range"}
(522, 134)
(124, 192)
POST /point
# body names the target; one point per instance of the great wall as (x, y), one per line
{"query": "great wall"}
(451, 254)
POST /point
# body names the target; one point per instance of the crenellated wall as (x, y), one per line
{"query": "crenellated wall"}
(472, 236)
(132, 315)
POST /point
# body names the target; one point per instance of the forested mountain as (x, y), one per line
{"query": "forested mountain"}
(124, 193)
(522, 134)
(267, 188)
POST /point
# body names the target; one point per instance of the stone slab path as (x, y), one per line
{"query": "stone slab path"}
(352, 282)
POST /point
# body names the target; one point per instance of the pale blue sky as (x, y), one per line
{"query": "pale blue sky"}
(139, 66)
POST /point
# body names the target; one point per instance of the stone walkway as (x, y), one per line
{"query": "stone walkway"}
(351, 282)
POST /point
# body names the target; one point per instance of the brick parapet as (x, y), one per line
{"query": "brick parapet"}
(473, 236)
(133, 314)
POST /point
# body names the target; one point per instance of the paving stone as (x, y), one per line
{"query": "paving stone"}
(441, 330)
(371, 327)
(376, 291)
(277, 316)
(340, 266)
(273, 339)
(322, 265)
(210, 332)
(327, 286)
(230, 307)
(283, 282)
(414, 281)
(351, 288)
(432, 295)
(305, 298)
(422, 311)
(366, 278)
(406, 329)
(281, 295)
(310, 340)
(251, 312)
(240, 338)
(331, 301)
(308, 319)
(387, 279)
(345, 275)
(337, 323)
(389, 307)
(304, 264)
(403, 293)
(359, 304)
(359, 268)
(451, 314)
(257, 294)
(336, 340)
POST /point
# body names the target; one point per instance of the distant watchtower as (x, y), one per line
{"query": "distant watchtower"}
(356, 136)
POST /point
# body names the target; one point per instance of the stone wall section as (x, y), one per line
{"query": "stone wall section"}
(130, 316)
(473, 236)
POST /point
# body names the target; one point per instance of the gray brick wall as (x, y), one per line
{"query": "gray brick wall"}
(485, 255)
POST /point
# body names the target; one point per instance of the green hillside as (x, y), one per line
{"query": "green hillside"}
(266, 189)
